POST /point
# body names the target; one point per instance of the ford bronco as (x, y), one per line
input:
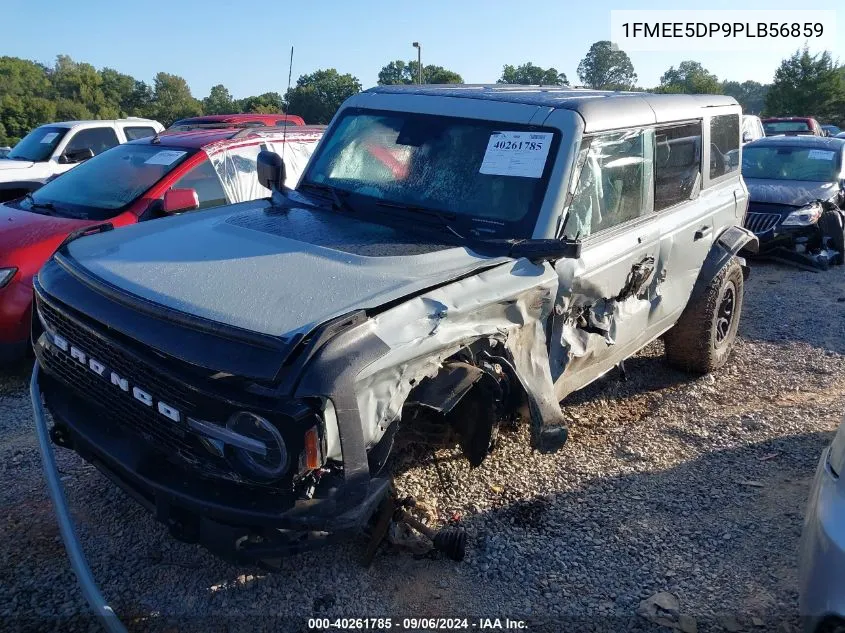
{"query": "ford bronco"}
(452, 256)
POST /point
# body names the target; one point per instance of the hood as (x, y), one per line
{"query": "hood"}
(788, 192)
(11, 164)
(21, 229)
(270, 270)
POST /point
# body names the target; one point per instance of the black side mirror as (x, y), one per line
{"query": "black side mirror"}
(271, 170)
(77, 155)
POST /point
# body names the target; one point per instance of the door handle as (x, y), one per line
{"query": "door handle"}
(701, 233)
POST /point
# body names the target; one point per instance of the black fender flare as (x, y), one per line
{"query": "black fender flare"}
(729, 243)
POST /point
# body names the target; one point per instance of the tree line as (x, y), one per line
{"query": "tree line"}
(32, 94)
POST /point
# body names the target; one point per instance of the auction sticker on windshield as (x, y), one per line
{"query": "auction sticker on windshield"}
(516, 154)
(164, 157)
(48, 138)
(820, 154)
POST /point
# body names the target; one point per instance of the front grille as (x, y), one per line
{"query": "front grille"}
(761, 222)
(119, 407)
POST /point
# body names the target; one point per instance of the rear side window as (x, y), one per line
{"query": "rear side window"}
(99, 139)
(677, 163)
(203, 179)
(724, 145)
(134, 133)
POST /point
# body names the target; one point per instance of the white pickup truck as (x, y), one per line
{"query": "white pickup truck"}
(54, 148)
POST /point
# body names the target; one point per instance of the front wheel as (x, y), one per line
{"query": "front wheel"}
(703, 337)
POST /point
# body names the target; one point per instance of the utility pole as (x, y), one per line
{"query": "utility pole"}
(419, 62)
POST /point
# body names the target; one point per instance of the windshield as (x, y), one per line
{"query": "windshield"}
(39, 144)
(103, 185)
(790, 163)
(780, 127)
(487, 178)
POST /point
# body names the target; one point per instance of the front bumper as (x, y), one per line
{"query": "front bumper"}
(238, 523)
(788, 237)
(797, 245)
(822, 554)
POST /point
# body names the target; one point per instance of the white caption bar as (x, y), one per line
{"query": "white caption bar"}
(746, 30)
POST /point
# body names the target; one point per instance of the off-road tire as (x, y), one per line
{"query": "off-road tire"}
(696, 344)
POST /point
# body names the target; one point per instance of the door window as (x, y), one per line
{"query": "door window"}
(203, 179)
(724, 145)
(677, 164)
(99, 139)
(612, 186)
(134, 133)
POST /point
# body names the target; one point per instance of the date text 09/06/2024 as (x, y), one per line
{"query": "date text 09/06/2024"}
(415, 624)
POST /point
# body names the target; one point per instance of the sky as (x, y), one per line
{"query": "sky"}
(246, 46)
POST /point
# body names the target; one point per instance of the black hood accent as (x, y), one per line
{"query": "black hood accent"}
(336, 231)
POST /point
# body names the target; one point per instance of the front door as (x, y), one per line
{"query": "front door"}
(605, 300)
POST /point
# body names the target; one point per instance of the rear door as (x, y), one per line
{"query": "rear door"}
(692, 216)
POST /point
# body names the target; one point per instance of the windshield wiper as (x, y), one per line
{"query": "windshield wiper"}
(47, 206)
(440, 215)
(338, 202)
(51, 208)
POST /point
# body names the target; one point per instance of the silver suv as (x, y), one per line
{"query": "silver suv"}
(452, 257)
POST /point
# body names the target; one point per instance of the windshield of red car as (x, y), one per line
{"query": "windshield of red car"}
(100, 187)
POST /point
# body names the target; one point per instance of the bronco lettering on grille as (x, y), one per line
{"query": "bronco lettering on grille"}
(114, 380)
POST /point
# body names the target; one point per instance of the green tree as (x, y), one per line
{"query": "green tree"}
(20, 114)
(267, 103)
(81, 84)
(689, 78)
(219, 101)
(809, 85)
(25, 98)
(23, 77)
(316, 97)
(399, 72)
(751, 95)
(140, 100)
(172, 99)
(605, 67)
(529, 74)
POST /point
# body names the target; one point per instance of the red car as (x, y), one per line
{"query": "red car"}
(792, 126)
(239, 120)
(137, 181)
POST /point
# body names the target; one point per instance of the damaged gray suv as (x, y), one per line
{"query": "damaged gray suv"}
(452, 257)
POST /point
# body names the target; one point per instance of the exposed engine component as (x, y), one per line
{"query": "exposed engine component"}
(469, 397)
(450, 539)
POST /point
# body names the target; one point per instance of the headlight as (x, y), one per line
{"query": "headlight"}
(6, 275)
(269, 463)
(805, 216)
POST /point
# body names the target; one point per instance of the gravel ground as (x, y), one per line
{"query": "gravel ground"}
(689, 486)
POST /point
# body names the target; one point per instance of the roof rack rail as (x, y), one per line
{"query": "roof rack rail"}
(290, 129)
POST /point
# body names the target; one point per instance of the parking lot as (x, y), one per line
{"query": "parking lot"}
(694, 487)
